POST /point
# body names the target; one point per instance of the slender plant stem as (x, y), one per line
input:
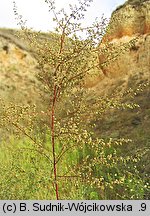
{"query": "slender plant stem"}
(53, 144)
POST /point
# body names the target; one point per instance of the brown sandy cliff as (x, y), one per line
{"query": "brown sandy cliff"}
(125, 49)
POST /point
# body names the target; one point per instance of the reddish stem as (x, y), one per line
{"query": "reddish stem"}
(53, 119)
(53, 144)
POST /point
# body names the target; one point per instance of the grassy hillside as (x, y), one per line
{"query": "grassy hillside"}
(25, 172)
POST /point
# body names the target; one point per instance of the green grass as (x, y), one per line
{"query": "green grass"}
(27, 174)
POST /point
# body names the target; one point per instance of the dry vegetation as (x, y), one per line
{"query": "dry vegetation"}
(79, 140)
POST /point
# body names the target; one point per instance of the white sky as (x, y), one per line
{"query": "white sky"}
(38, 17)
